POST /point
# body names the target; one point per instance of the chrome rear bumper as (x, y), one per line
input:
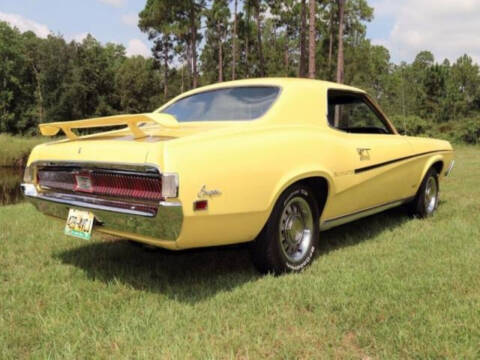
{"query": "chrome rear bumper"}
(164, 224)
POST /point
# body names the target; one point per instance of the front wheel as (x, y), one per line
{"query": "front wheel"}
(426, 200)
(290, 237)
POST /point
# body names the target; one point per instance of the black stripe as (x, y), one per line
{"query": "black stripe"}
(371, 167)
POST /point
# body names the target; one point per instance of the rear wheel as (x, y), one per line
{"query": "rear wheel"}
(426, 200)
(290, 237)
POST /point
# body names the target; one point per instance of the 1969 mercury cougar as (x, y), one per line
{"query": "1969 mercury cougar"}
(272, 161)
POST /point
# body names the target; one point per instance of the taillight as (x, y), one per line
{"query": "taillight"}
(28, 175)
(169, 186)
(108, 183)
(127, 186)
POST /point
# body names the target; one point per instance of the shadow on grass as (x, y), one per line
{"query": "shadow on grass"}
(194, 275)
(189, 276)
(362, 230)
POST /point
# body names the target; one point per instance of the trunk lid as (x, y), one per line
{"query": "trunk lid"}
(122, 146)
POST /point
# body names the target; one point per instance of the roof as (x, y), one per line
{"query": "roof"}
(282, 82)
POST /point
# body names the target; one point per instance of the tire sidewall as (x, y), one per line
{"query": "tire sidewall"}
(305, 193)
(421, 205)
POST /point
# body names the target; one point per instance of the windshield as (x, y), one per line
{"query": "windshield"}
(228, 104)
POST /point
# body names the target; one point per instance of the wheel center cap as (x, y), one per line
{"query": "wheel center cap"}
(295, 229)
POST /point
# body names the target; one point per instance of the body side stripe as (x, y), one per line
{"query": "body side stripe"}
(372, 167)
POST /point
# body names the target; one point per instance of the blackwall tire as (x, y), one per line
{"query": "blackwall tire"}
(426, 200)
(289, 239)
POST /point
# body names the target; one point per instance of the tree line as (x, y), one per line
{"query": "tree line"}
(198, 42)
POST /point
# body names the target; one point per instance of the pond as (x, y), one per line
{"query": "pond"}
(10, 180)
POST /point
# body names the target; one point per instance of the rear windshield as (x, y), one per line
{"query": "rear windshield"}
(228, 104)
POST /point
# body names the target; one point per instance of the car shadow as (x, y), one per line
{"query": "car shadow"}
(362, 230)
(193, 275)
(189, 276)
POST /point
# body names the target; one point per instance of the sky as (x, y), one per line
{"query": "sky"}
(448, 28)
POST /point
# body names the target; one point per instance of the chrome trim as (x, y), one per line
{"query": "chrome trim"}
(139, 169)
(208, 193)
(340, 220)
(29, 190)
(95, 203)
(431, 195)
(165, 225)
(296, 229)
(164, 177)
(450, 167)
(144, 168)
(167, 204)
(161, 109)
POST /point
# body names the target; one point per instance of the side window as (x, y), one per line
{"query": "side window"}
(351, 113)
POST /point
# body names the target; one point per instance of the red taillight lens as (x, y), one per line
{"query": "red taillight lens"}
(108, 183)
(128, 186)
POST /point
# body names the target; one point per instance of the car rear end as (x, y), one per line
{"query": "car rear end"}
(118, 183)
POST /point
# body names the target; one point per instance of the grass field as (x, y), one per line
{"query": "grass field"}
(386, 287)
(15, 149)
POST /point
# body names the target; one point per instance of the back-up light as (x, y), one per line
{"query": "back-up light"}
(111, 183)
(169, 186)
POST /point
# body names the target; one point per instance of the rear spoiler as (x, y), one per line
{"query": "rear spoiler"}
(132, 121)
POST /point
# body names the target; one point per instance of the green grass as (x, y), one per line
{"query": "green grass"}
(15, 149)
(386, 287)
(10, 180)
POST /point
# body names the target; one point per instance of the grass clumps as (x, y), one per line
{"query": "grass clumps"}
(14, 150)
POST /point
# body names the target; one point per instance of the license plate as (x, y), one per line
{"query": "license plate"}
(79, 224)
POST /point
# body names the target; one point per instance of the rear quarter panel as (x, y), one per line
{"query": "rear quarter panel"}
(250, 169)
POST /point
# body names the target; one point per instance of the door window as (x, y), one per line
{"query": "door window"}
(353, 113)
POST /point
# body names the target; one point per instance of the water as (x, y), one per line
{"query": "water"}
(10, 180)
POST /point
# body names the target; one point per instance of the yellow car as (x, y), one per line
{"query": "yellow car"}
(268, 161)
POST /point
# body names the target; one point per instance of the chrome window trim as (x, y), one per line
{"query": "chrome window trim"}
(371, 104)
(162, 109)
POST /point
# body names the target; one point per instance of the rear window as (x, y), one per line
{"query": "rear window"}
(228, 104)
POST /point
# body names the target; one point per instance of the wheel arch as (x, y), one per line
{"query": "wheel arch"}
(320, 188)
(438, 166)
(321, 183)
(437, 162)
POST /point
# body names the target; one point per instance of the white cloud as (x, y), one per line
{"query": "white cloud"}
(130, 19)
(448, 28)
(80, 37)
(385, 7)
(116, 3)
(24, 24)
(137, 47)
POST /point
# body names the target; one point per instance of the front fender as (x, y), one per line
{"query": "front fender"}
(444, 158)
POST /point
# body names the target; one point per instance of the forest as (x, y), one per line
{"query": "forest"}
(199, 42)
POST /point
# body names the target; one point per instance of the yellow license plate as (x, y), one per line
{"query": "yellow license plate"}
(79, 224)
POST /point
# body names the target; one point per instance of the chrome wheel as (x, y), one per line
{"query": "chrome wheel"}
(431, 195)
(296, 229)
